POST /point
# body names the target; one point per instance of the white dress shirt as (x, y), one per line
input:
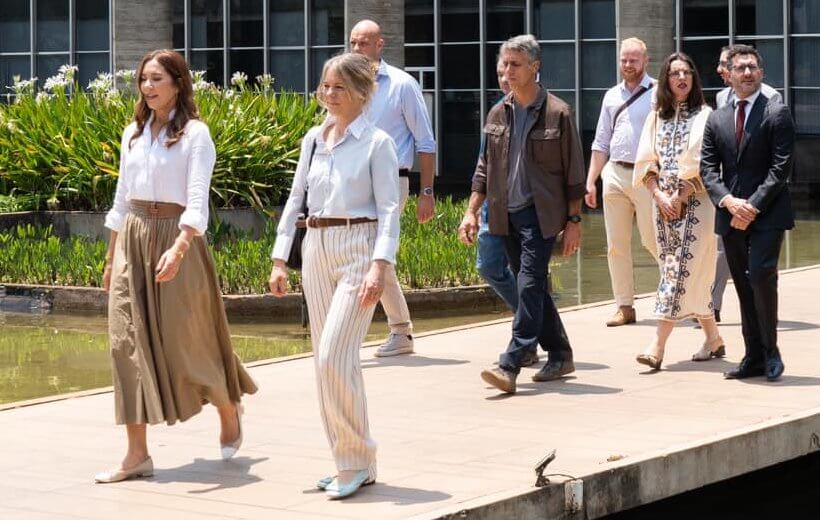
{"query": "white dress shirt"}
(356, 177)
(727, 95)
(621, 144)
(748, 109)
(398, 108)
(151, 171)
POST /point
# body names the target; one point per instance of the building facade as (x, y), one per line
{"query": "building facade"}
(448, 45)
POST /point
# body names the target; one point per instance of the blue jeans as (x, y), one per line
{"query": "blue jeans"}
(491, 263)
(537, 319)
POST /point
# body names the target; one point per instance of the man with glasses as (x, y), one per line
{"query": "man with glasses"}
(724, 97)
(624, 109)
(745, 164)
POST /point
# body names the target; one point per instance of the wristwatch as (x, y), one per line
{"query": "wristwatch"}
(575, 219)
(427, 191)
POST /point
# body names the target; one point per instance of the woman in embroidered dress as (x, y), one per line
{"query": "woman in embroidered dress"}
(170, 346)
(668, 163)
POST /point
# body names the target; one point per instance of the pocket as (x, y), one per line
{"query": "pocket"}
(545, 149)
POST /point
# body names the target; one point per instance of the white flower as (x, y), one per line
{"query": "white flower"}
(102, 85)
(56, 82)
(239, 79)
(42, 96)
(229, 93)
(127, 75)
(265, 81)
(68, 71)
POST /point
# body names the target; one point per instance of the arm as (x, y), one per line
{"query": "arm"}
(782, 138)
(469, 224)
(418, 121)
(710, 162)
(600, 154)
(116, 216)
(573, 161)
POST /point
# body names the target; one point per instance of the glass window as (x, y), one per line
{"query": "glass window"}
(806, 106)
(758, 17)
(91, 64)
(598, 65)
(318, 57)
(48, 65)
(459, 21)
(419, 56)
(705, 53)
(178, 21)
(92, 25)
(246, 23)
(459, 64)
(418, 21)
(206, 24)
(287, 23)
(805, 62)
(211, 62)
(15, 31)
(505, 18)
(52, 25)
(568, 96)
(11, 66)
(288, 70)
(591, 102)
(805, 16)
(554, 19)
(460, 122)
(597, 19)
(558, 65)
(251, 62)
(772, 53)
(328, 22)
(705, 17)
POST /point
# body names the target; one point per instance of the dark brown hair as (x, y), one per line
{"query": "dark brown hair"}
(175, 65)
(666, 101)
(742, 50)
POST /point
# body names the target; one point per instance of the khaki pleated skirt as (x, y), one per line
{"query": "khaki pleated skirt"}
(170, 343)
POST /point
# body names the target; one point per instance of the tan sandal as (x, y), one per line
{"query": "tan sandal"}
(710, 350)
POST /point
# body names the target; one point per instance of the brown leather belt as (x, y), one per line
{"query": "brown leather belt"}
(624, 164)
(320, 222)
(147, 208)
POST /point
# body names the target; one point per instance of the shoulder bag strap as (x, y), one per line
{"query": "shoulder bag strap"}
(638, 93)
(310, 163)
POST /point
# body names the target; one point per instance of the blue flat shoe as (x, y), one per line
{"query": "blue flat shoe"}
(324, 483)
(334, 491)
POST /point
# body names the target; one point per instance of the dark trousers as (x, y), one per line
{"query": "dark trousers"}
(752, 257)
(536, 319)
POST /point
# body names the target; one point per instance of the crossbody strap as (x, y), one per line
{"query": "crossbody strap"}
(310, 163)
(638, 93)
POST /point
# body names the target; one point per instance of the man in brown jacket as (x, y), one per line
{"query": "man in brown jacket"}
(532, 175)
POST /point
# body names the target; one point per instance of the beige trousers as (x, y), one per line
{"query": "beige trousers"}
(336, 260)
(623, 204)
(393, 302)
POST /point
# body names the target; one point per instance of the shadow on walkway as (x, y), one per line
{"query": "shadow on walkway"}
(562, 386)
(234, 473)
(410, 361)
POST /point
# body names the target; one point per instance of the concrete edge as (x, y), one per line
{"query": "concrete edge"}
(630, 483)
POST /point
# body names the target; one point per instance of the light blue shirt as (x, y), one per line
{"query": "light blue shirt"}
(398, 108)
(621, 144)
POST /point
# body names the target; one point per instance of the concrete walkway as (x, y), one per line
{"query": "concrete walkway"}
(448, 444)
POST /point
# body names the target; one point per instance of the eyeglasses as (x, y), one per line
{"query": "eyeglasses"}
(676, 73)
(742, 68)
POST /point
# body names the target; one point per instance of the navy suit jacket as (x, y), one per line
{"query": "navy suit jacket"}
(758, 170)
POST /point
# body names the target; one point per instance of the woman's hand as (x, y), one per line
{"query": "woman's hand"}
(665, 206)
(169, 262)
(278, 280)
(370, 292)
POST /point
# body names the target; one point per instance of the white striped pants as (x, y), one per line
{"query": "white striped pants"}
(336, 260)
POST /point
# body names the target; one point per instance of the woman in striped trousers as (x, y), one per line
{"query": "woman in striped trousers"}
(349, 173)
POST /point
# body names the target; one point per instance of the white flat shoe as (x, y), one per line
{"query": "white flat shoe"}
(229, 450)
(143, 469)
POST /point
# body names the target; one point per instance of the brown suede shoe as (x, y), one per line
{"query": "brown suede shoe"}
(502, 379)
(623, 316)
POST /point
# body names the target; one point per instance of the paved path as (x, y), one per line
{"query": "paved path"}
(446, 440)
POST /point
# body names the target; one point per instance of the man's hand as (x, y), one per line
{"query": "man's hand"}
(740, 208)
(591, 198)
(572, 238)
(426, 208)
(739, 223)
(468, 229)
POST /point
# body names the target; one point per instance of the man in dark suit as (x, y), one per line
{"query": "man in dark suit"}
(751, 142)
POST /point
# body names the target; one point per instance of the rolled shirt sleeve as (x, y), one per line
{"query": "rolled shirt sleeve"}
(200, 169)
(384, 168)
(115, 217)
(286, 229)
(416, 117)
(603, 132)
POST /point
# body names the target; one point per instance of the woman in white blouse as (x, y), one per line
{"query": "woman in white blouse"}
(349, 172)
(170, 345)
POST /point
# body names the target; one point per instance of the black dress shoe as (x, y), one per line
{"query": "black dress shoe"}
(774, 368)
(746, 369)
(554, 370)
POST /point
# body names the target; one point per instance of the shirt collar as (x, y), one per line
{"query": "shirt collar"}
(646, 81)
(751, 99)
(536, 105)
(382, 69)
(356, 128)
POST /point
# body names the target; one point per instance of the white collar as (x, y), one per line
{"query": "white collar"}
(646, 81)
(356, 128)
(751, 99)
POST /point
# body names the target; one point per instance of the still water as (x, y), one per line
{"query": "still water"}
(45, 354)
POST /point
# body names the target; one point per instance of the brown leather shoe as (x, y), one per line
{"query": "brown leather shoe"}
(502, 379)
(623, 316)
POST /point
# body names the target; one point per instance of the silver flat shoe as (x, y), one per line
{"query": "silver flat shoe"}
(229, 450)
(143, 469)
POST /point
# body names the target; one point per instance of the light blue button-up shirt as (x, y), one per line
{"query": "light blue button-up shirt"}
(621, 144)
(398, 108)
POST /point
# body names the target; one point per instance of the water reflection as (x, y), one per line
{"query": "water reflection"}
(45, 354)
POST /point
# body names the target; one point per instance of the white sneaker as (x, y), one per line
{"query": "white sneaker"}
(396, 344)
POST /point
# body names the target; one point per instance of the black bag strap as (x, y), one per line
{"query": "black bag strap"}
(638, 93)
(310, 163)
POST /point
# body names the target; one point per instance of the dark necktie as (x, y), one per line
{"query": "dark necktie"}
(741, 120)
